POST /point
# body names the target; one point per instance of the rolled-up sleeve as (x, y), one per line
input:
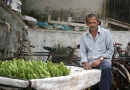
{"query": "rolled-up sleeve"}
(83, 50)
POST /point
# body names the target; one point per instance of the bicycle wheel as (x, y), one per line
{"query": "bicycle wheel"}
(121, 76)
(127, 67)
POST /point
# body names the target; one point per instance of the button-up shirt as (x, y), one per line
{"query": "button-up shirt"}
(92, 49)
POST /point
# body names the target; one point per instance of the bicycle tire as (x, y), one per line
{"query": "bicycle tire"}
(121, 76)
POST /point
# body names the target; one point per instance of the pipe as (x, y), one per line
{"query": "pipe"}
(8, 25)
(7, 37)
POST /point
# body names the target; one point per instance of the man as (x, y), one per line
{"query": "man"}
(97, 48)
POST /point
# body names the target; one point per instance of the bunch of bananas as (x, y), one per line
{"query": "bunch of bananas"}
(21, 69)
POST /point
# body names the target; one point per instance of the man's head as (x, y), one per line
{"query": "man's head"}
(92, 21)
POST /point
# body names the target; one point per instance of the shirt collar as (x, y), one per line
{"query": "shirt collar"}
(99, 31)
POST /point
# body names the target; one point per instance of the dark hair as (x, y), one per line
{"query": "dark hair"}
(90, 16)
(128, 43)
(78, 46)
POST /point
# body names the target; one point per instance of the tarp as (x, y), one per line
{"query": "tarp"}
(78, 79)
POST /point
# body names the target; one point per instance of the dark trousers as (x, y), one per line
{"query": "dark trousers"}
(106, 75)
(95, 87)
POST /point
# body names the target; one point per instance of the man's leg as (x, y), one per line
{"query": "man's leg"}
(106, 75)
(95, 87)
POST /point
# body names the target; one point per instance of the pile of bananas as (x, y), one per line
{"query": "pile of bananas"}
(32, 69)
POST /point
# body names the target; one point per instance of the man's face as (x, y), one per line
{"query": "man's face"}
(92, 23)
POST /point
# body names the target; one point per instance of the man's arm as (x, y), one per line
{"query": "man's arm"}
(109, 51)
(83, 52)
(109, 46)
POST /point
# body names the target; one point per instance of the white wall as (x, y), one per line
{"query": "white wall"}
(52, 38)
(121, 37)
(44, 37)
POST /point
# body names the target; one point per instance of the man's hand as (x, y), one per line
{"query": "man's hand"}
(96, 63)
(87, 66)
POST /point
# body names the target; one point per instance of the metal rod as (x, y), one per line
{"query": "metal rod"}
(7, 37)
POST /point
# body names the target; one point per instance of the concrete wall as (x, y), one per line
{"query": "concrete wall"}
(52, 38)
(13, 34)
(65, 8)
(121, 37)
(16, 30)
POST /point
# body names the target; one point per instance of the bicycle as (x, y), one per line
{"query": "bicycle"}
(120, 69)
(66, 55)
(22, 54)
(72, 58)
